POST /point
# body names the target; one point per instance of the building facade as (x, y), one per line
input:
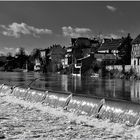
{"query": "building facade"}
(82, 50)
(135, 54)
(116, 51)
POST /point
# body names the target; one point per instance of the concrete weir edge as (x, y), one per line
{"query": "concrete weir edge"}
(116, 111)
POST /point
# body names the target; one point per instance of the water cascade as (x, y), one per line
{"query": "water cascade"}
(114, 110)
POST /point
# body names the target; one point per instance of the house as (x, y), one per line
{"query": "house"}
(84, 64)
(107, 58)
(67, 60)
(135, 55)
(110, 46)
(37, 66)
(82, 48)
(108, 51)
(116, 51)
(41, 59)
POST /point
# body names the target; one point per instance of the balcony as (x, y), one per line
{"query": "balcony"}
(78, 65)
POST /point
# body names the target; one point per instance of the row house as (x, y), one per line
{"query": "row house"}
(110, 46)
(108, 51)
(115, 51)
(135, 55)
(84, 52)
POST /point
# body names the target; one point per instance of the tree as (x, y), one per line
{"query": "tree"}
(36, 54)
(9, 56)
(125, 51)
(21, 58)
(57, 53)
(45, 59)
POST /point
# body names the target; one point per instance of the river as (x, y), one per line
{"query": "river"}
(109, 88)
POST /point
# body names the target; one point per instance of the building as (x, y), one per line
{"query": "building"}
(110, 46)
(82, 50)
(135, 55)
(82, 47)
(67, 60)
(116, 51)
(41, 59)
(37, 66)
(108, 51)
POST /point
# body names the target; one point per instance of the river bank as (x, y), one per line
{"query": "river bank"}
(22, 120)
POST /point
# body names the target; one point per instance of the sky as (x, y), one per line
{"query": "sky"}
(40, 24)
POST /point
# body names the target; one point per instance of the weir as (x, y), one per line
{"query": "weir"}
(114, 110)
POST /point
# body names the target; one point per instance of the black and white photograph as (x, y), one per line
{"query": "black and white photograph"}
(69, 70)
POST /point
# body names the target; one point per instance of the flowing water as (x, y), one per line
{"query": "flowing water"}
(109, 88)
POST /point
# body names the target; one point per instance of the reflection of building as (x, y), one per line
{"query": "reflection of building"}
(64, 83)
(76, 83)
(135, 91)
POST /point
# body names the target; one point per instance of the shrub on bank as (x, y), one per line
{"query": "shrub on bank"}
(115, 73)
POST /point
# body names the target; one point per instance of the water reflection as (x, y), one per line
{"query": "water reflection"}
(76, 83)
(135, 91)
(110, 88)
(64, 82)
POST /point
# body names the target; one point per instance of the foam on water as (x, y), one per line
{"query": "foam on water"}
(116, 111)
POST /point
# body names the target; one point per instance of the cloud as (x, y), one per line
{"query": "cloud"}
(76, 32)
(2, 53)
(114, 36)
(16, 30)
(111, 8)
(8, 49)
(13, 50)
(18, 49)
(122, 31)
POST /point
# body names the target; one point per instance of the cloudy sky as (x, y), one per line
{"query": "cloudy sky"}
(41, 24)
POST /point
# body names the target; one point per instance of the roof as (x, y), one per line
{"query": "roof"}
(83, 42)
(136, 40)
(110, 44)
